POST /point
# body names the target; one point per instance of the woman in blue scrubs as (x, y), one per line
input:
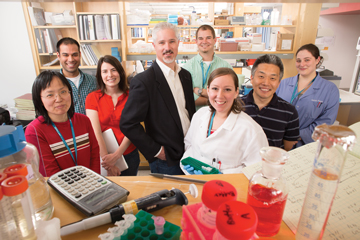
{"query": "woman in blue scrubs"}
(315, 99)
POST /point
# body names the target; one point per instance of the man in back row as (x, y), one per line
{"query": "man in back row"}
(69, 55)
(204, 63)
(278, 118)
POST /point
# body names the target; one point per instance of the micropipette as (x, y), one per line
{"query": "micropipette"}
(152, 202)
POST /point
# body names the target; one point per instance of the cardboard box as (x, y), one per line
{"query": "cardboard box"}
(221, 22)
(228, 46)
(285, 42)
(254, 37)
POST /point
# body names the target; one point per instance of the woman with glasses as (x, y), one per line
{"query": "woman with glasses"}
(104, 108)
(62, 137)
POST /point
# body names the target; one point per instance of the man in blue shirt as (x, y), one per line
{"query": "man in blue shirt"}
(69, 55)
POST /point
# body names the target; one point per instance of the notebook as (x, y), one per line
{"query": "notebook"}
(112, 145)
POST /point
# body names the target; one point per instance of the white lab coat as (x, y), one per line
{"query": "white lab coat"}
(236, 143)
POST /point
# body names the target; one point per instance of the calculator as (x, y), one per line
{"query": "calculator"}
(87, 190)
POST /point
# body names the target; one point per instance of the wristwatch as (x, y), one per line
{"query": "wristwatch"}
(199, 92)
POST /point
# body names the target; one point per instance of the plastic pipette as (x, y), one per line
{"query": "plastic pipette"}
(152, 202)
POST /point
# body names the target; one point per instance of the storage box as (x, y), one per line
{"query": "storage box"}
(257, 47)
(255, 37)
(245, 47)
(221, 22)
(285, 42)
(228, 46)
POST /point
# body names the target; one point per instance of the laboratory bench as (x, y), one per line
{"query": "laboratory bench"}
(349, 109)
(140, 186)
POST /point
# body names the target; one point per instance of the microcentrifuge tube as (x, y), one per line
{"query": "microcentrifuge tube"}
(159, 223)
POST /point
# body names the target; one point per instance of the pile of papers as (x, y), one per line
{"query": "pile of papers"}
(25, 106)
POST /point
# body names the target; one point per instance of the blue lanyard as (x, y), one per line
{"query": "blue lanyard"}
(294, 94)
(204, 76)
(211, 124)
(65, 143)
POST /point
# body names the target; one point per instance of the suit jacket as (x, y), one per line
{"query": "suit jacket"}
(151, 101)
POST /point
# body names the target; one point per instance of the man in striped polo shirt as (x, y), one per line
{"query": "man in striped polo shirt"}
(278, 118)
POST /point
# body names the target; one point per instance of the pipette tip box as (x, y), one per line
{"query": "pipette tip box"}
(144, 229)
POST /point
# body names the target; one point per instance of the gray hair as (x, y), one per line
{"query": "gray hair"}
(269, 59)
(162, 26)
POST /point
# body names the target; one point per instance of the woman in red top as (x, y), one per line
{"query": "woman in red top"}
(104, 108)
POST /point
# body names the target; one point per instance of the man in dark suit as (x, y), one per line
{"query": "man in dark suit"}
(162, 98)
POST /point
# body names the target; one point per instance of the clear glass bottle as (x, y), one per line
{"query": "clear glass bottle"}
(15, 150)
(267, 192)
(16, 189)
(333, 144)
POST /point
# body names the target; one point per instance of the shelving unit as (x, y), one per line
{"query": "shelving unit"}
(77, 8)
(304, 25)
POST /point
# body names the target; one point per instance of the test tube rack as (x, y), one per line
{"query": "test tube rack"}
(144, 229)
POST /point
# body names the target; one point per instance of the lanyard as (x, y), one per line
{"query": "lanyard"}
(204, 76)
(65, 143)
(211, 124)
(294, 94)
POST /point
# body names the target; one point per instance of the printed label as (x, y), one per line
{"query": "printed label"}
(130, 207)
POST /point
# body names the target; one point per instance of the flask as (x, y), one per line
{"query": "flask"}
(16, 189)
(15, 150)
(333, 144)
(235, 220)
(267, 192)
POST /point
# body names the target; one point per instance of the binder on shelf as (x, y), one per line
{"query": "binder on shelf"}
(37, 16)
(115, 23)
(91, 27)
(88, 56)
(100, 27)
(107, 25)
(81, 27)
(96, 52)
(49, 48)
(39, 43)
(84, 56)
(86, 27)
(92, 54)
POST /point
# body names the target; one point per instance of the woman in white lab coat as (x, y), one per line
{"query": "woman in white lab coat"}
(222, 134)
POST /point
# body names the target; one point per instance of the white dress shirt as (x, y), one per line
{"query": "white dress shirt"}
(177, 91)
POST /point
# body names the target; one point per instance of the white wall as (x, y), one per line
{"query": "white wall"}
(17, 71)
(342, 55)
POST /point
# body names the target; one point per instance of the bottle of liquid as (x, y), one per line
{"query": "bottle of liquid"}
(7, 224)
(16, 189)
(267, 192)
(235, 220)
(334, 142)
(15, 150)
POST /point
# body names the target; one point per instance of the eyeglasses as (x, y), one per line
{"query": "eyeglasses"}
(62, 94)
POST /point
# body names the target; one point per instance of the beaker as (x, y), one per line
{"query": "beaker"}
(334, 142)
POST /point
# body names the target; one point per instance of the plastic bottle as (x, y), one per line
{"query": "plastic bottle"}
(193, 17)
(235, 220)
(334, 143)
(215, 192)
(16, 189)
(15, 150)
(267, 192)
(7, 223)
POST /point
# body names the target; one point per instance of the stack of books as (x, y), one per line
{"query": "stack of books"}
(25, 106)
